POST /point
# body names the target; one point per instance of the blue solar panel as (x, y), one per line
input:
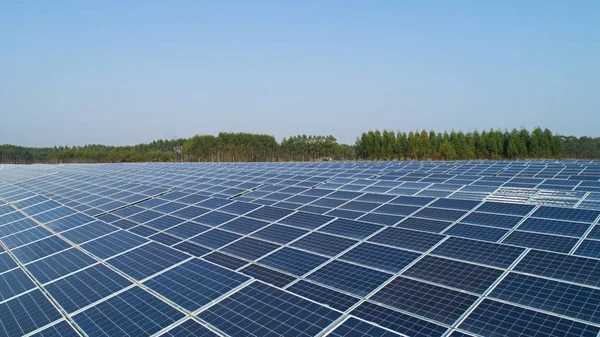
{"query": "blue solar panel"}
(13, 283)
(293, 261)
(381, 257)
(113, 244)
(40, 249)
(502, 208)
(6, 262)
(215, 238)
(195, 283)
(214, 218)
(479, 252)
(350, 278)
(563, 267)
(541, 241)
(327, 296)
(464, 205)
(25, 237)
(280, 234)
(244, 225)
(397, 321)
(62, 329)
(249, 248)
(383, 219)
(476, 232)
(268, 275)
(557, 297)
(26, 313)
(146, 260)
(57, 265)
(408, 239)
(501, 319)
(558, 213)
(546, 226)
(88, 232)
(189, 328)
(426, 300)
(86, 287)
(464, 276)
(192, 249)
(426, 225)
(262, 310)
(187, 229)
(349, 228)
(357, 328)
(317, 252)
(134, 312)
(493, 220)
(324, 244)
(589, 248)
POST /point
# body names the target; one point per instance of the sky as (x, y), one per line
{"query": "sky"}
(127, 72)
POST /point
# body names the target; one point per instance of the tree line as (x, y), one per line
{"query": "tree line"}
(371, 145)
(225, 147)
(492, 144)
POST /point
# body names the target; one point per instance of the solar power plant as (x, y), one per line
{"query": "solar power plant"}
(301, 249)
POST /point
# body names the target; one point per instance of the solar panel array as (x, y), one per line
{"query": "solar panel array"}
(301, 249)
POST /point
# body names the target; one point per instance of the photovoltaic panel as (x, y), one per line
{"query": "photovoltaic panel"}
(502, 319)
(553, 243)
(357, 328)
(479, 252)
(381, 257)
(268, 275)
(328, 244)
(147, 260)
(327, 296)
(225, 260)
(306, 220)
(562, 267)
(273, 311)
(57, 265)
(553, 296)
(195, 283)
(114, 243)
(403, 238)
(86, 287)
(39, 249)
(249, 248)
(293, 261)
(189, 328)
(589, 248)
(350, 278)
(324, 244)
(134, 312)
(61, 329)
(434, 302)
(14, 282)
(349, 228)
(464, 276)
(398, 321)
(279, 234)
(26, 313)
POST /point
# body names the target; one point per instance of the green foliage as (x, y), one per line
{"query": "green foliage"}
(492, 144)
(371, 145)
(225, 147)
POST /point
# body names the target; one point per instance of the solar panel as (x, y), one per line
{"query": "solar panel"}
(322, 248)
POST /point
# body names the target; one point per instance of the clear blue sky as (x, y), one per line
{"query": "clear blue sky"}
(79, 72)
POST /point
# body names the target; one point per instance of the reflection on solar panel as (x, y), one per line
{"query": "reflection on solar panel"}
(301, 249)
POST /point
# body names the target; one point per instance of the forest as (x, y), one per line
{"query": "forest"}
(372, 145)
(492, 144)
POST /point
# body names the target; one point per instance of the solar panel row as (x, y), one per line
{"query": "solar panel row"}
(301, 249)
